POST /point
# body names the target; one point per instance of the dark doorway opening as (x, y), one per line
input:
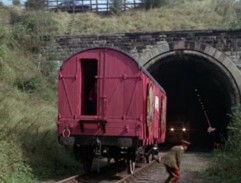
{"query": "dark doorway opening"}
(89, 86)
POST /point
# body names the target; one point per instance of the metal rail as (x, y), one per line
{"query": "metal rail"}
(126, 178)
(132, 177)
(73, 179)
(192, 165)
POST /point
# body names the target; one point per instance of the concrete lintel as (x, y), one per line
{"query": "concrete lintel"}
(197, 46)
(163, 47)
(179, 45)
(217, 54)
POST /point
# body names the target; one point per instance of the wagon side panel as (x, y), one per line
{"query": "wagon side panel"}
(154, 110)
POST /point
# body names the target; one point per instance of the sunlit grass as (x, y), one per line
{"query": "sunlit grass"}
(29, 148)
(204, 14)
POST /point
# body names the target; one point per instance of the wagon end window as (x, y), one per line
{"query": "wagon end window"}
(88, 86)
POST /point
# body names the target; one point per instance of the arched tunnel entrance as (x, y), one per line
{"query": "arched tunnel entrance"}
(194, 85)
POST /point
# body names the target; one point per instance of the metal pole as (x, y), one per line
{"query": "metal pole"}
(96, 2)
(210, 128)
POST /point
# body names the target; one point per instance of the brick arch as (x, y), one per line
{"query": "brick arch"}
(209, 53)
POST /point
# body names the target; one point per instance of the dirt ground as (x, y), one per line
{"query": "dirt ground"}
(192, 165)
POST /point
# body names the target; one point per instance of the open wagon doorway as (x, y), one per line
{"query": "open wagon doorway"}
(89, 86)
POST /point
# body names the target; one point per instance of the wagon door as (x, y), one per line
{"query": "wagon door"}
(68, 97)
(121, 94)
(89, 93)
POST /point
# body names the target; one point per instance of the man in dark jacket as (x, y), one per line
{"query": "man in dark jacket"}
(172, 161)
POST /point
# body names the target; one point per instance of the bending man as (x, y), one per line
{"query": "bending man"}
(172, 161)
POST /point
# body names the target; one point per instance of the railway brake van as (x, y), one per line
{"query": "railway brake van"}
(110, 107)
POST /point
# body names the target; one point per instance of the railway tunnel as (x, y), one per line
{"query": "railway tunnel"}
(196, 84)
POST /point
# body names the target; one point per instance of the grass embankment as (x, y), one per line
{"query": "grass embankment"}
(177, 15)
(226, 162)
(29, 151)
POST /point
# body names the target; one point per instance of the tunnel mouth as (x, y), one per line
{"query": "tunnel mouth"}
(200, 94)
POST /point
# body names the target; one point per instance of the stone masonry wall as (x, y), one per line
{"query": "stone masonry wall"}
(226, 41)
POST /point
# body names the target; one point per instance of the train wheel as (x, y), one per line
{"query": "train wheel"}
(87, 158)
(131, 166)
(87, 164)
(149, 158)
(77, 153)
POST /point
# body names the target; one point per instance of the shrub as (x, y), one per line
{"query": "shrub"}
(29, 85)
(37, 86)
(32, 29)
(226, 162)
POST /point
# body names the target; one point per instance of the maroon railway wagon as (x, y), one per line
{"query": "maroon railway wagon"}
(109, 106)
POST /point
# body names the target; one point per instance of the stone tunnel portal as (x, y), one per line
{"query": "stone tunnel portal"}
(195, 84)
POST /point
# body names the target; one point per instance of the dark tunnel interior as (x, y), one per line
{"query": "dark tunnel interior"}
(194, 86)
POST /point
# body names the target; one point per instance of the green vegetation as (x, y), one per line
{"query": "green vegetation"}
(29, 150)
(226, 164)
(176, 15)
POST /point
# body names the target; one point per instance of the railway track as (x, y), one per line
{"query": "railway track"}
(138, 173)
(73, 179)
(146, 173)
(114, 173)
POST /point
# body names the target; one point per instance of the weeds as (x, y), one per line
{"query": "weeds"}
(29, 149)
(226, 161)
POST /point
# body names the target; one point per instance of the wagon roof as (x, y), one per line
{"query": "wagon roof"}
(122, 52)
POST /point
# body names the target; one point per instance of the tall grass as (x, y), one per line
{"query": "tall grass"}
(29, 149)
(176, 15)
(226, 163)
